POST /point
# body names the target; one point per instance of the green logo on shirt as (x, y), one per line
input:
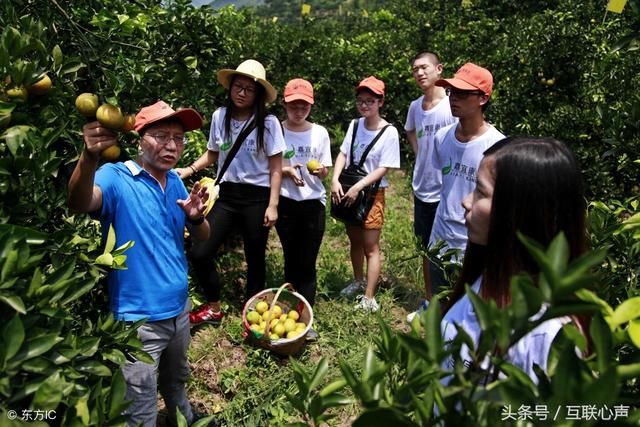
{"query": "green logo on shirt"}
(447, 169)
(420, 133)
(226, 145)
(290, 153)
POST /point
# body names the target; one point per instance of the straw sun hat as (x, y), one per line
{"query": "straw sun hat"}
(252, 69)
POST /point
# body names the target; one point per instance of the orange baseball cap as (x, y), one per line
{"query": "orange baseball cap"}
(298, 89)
(159, 111)
(470, 77)
(373, 84)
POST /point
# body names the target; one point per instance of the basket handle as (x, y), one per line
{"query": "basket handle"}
(273, 302)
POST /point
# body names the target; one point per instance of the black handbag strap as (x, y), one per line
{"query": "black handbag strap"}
(369, 147)
(244, 133)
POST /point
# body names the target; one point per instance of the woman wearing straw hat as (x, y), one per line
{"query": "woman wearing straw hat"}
(250, 186)
(301, 219)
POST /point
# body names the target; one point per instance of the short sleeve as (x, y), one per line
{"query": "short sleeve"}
(390, 155)
(325, 147)
(274, 140)
(215, 134)
(346, 142)
(410, 124)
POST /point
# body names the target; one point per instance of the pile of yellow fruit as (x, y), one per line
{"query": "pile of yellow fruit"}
(283, 325)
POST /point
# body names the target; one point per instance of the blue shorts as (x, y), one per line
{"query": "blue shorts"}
(423, 216)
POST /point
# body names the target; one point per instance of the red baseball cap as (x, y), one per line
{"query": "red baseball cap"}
(298, 89)
(373, 84)
(159, 111)
(470, 77)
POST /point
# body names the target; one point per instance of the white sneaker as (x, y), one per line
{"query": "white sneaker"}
(367, 304)
(353, 288)
(421, 309)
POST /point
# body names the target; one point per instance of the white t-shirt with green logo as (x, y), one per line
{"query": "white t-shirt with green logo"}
(385, 153)
(458, 162)
(250, 165)
(426, 179)
(312, 144)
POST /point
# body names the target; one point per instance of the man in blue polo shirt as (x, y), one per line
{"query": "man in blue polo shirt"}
(146, 202)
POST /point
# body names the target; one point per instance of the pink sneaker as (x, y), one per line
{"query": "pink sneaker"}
(205, 314)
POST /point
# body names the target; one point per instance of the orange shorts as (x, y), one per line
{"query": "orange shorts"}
(375, 219)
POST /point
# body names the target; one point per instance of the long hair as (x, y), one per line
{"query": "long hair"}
(538, 191)
(259, 112)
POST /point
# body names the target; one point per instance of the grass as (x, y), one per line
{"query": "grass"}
(246, 386)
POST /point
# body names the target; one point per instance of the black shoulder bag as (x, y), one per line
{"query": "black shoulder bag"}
(356, 213)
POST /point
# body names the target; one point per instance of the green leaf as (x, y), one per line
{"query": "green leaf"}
(117, 394)
(14, 302)
(628, 310)
(16, 136)
(56, 53)
(114, 355)
(111, 240)
(333, 387)
(319, 373)
(36, 347)
(49, 394)
(602, 340)
(105, 259)
(10, 265)
(432, 319)
(93, 367)
(13, 337)
(382, 417)
(634, 332)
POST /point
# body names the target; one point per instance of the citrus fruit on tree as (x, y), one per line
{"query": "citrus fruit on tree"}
(18, 94)
(87, 104)
(111, 153)
(41, 87)
(110, 116)
(129, 123)
(261, 306)
(313, 165)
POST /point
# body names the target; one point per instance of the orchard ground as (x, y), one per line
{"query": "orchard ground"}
(228, 374)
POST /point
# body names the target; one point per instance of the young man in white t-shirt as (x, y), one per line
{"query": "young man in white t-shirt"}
(457, 154)
(427, 114)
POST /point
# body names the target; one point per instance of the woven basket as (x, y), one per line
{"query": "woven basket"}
(287, 299)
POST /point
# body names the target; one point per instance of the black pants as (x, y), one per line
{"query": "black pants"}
(241, 206)
(300, 227)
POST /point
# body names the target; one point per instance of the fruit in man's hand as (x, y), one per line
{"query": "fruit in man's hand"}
(110, 116)
(313, 165)
(87, 104)
(111, 153)
(41, 87)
